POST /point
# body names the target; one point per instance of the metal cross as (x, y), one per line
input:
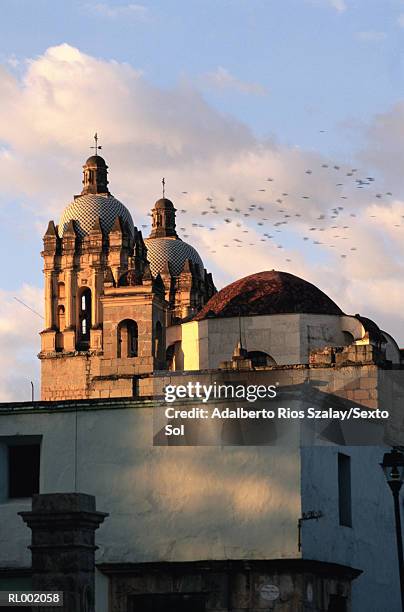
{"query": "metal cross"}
(163, 182)
(97, 147)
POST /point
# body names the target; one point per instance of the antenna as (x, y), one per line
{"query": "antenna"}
(239, 327)
(163, 182)
(96, 147)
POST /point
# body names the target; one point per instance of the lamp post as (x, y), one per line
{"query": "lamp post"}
(393, 468)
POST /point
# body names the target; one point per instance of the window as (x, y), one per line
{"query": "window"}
(84, 318)
(61, 291)
(344, 490)
(260, 359)
(23, 470)
(127, 339)
(158, 341)
(61, 318)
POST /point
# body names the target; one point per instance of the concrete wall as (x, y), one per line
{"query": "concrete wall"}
(369, 544)
(165, 503)
(287, 338)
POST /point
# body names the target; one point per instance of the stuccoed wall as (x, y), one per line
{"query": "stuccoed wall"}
(370, 543)
(165, 503)
(287, 338)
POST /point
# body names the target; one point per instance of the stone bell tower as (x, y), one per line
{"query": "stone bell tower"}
(105, 314)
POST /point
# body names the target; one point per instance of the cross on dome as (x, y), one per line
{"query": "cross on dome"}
(96, 147)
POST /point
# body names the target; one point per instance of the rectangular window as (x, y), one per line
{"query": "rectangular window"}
(23, 470)
(344, 490)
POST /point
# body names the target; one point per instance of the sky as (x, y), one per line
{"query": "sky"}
(235, 103)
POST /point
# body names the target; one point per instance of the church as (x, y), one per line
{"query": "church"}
(118, 307)
(237, 517)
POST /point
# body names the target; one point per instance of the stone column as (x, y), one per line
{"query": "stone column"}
(49, 306)
(70, 314)
(63, 552)
(69, 335)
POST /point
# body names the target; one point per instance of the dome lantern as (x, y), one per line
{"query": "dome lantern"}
(163, 218)
(95, 176)
(95, 203)
(95, 173)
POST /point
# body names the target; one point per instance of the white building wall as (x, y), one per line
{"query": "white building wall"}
(370, 543)
(165, 503)
(193, 503)
(288, 338)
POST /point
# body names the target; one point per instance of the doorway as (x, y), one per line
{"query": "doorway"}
(170, 602)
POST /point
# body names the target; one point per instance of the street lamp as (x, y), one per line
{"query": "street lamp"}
(393, 468)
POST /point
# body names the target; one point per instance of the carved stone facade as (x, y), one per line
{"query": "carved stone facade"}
(105, 314)
(107, 306)
(188, 285)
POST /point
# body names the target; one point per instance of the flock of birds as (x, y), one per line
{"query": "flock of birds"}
(282, 218)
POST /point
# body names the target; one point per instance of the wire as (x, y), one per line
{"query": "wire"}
(29, 307)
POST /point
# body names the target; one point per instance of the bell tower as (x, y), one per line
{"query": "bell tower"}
(105, 314)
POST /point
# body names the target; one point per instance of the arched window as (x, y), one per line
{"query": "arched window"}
(127, 339)
(61, 291)
(348, 338)
(84, 318)
(61, 318)
(158, 342)
(174, 357)
(260, 359)
(61, 326)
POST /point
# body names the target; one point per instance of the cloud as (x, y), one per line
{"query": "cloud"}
(19, 343)
(370, 36)
(305, 220)
(108, 11)
(224, 80)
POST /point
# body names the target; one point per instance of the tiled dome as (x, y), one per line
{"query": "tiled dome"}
(267, 293)
(85, 210)
(171, 250)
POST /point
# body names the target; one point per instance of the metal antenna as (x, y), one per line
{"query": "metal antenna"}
(163, 182)
(239, 327)
(29, 307)
(97, 147)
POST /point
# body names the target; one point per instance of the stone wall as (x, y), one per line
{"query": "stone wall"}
(279, 586)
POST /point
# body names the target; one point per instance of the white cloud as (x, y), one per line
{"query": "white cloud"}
(19, 343)
(47, 119)
(109, 11)
(223, 79)
(370, 36)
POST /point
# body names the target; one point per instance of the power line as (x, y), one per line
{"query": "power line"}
(29, 307)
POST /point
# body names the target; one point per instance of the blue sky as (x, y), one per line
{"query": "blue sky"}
(322, 67)
(217, 96)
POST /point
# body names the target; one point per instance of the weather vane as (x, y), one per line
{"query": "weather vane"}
(163, 182)
(97, 147)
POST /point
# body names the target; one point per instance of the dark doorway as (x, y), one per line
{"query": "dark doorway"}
(169, 602)
(337, 604)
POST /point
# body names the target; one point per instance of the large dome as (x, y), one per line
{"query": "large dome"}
(267, 293)
(171, 250)
(86, 209)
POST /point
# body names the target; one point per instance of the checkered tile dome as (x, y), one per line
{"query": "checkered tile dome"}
(85, 210)
(172, 250)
